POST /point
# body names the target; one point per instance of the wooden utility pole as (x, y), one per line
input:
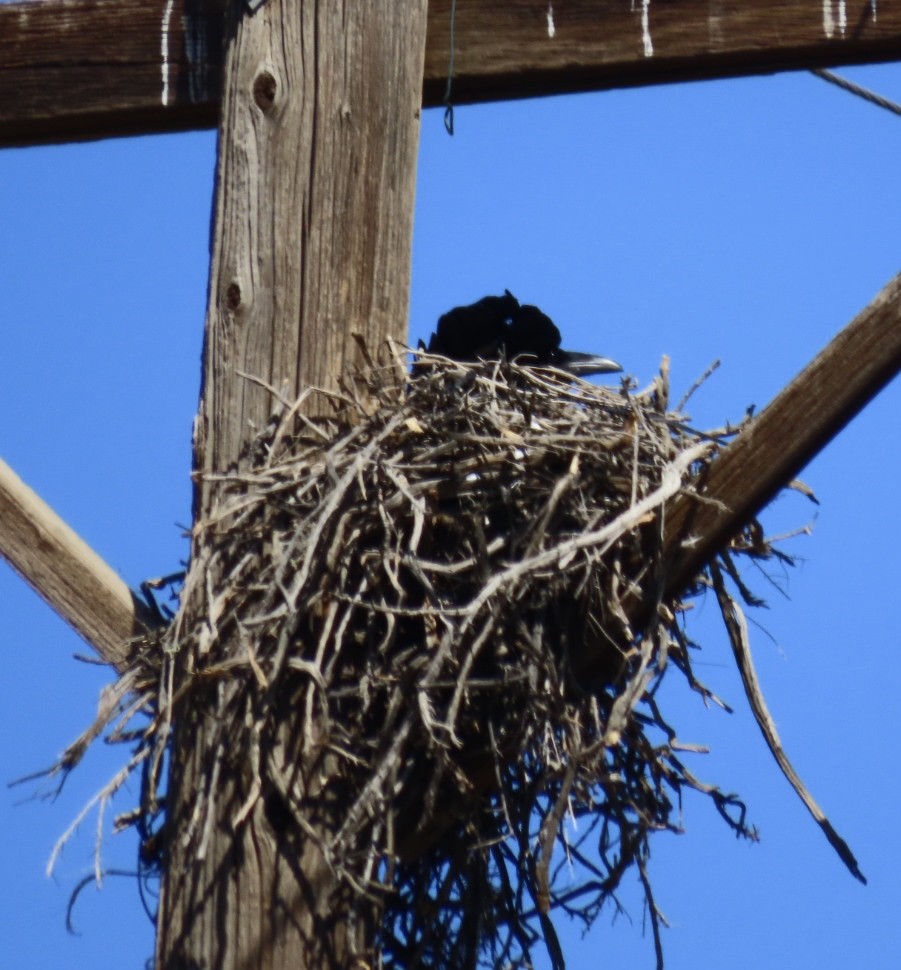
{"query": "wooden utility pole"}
(316, 173)
(318, 107)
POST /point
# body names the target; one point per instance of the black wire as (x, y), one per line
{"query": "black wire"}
(448, 106)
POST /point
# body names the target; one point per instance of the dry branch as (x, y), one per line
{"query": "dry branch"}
(737, 627)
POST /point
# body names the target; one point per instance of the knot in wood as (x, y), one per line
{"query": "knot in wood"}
(264, 90)
(233, 296)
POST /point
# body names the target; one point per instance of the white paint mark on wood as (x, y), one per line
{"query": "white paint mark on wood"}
(835, 17)
(164, 50)
(646, 40)
(551, 29)
(715, 20)
(828, 22)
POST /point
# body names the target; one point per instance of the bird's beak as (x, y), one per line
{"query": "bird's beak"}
(586, 365)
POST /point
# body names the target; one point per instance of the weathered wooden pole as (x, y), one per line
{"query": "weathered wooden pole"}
(313, 222)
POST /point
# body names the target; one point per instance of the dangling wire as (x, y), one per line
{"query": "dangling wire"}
(448, 106)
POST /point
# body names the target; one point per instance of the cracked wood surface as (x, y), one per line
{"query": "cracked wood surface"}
(79, 69)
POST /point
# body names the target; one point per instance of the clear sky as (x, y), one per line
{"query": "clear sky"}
(744, 220)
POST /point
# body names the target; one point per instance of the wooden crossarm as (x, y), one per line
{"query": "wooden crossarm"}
(78, 69)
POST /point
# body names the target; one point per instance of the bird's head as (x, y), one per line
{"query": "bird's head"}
(534, 338)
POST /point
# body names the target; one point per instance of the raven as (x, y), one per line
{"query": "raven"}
(475, 332)
(500, 327)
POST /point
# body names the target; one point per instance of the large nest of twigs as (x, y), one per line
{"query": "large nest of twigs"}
(446, 599)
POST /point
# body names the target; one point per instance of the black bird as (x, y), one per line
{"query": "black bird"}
(475, 332)
(533, 338)
(499, 327)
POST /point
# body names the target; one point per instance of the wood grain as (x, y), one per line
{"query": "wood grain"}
(80, 69)
(316, 174)
(72, 70)
(526, 48)
(313, 215)
(62, 569)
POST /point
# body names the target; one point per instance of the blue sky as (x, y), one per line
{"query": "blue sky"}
(744, 220)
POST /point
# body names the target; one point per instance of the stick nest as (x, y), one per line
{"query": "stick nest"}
(453, 585)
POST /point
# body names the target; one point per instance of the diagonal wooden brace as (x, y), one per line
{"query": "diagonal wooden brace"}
(62, 569)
